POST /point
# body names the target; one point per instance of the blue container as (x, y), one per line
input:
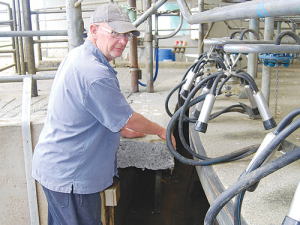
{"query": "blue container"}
(165, 54)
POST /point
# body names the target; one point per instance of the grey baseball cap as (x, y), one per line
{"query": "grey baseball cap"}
(115, 17)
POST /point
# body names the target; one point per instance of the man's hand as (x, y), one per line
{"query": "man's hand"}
(164, 137)
(142, 125)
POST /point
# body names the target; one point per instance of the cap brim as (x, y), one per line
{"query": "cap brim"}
(123, 27)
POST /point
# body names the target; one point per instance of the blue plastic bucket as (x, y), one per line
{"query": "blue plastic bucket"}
(165, 54)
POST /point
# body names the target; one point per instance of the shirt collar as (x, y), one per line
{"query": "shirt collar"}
(98, 54)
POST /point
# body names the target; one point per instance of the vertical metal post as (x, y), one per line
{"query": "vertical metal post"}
(133, 53)
(19, 28)
(30, 61)
(149, 50)
(278, 27)
(75, 24)
(266, 74)
(39, 49)
(253, 57)
(201, 28)
(10, 17)
(293, 26)
(16, 42)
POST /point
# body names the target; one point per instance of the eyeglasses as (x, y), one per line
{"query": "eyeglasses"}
(117, 35)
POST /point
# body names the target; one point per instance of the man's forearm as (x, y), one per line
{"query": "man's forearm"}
(139, 123)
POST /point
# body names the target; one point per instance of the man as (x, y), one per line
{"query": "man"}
(75, 157)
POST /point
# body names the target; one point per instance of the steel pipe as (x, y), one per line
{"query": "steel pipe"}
(50, 41)
(261, 48)
(148, 12)
(28, 44)
(226, 41)
(172, 33)
(19, 78)
(75, 24)
(6, 22)
(201, 28)
(149, 48)
(39, 50)
(28, 33)
(245, 10)
(8, 51)
(252, 57)
(7, 67)
(266, 70)
(4, 3)
(133, 53)
(18, 27)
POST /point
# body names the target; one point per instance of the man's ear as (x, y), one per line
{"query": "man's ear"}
(93, 29)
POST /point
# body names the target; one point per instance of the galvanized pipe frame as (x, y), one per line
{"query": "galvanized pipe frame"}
(31, 33)
(245, 10)
(173, 33)
(266, 73)
(18, 27)
(82, 4)
(20, 78)
(135, 71)
(28, 44)
(10, 23)
(75, 24)
(149, 11)
(149, 45)
(7, 67)
(252, 57)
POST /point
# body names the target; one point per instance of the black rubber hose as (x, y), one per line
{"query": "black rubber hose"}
(218, 92)
(286, 120)
(169, 96)
(262, 157)
(178, 86)
(226, 110)
(247, 31)
(185, 107)
(183, 78)
(289, 33)
(197, 69)
(247, 181)
(219, 62)
(217, 76)
(206, 160)
(274, 143)
(232, 35)
(242, 76)
(216, 82)
(249, 79)
(188, 70)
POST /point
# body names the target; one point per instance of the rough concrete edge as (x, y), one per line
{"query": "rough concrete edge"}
(145, 155)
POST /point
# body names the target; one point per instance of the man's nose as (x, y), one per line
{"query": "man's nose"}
(123, 40)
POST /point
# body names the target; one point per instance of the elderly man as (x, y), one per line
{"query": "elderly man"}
(75, 157)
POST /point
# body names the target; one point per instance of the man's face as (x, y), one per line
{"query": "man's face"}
(110, 47)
